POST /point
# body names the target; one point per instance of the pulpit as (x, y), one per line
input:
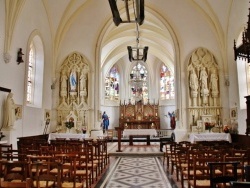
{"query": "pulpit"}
(139, 116)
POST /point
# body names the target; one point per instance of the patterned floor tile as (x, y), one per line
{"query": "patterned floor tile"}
(136, 172)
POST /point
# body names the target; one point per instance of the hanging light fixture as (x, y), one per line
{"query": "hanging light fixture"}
(139, 12)
(243, 51)
(137, 81)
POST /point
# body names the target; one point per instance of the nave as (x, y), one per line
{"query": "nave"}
(142, 166)
(139, 166)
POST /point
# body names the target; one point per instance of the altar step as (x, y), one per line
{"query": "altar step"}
(138, 149)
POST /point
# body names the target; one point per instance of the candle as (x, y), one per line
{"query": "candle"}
(218, 112)
(155, 114)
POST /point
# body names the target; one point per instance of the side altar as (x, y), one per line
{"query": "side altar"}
(139, 116)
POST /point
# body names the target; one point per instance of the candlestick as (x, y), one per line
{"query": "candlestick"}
(218, 112)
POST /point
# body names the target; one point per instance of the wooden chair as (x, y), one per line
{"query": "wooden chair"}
(25, 184)
(222, 178)
(42, 176)
(188, 173)
(83, 172)
(92, 164)
(33, 160)
(14, 168)
(240, 167)
(68, 172)
(110, 135)
(167, 152)
(201, 165)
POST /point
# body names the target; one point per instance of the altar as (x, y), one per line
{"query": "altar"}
(195, 137)
(54, 136)
(139, 116)
(131, 133)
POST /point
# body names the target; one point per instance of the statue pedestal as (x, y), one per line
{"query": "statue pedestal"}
(8, 135)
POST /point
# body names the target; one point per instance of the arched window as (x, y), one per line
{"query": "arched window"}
(112, 84)
(35, 69)
(139, 83)
(30, 75)
(166, 83)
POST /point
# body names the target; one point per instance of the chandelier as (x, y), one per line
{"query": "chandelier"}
(136, 16)
(243, 51)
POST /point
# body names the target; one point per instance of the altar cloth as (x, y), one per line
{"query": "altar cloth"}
(194, 137)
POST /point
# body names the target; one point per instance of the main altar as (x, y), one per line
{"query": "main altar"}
(139, 115)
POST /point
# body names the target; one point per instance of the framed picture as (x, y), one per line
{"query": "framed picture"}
(233, 113)
(200, 125)
(18, 111)
(47, 114)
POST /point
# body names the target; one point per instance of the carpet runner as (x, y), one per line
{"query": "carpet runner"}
(137, 172)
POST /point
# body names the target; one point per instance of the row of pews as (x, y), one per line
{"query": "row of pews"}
(208, 164)
(62, 163)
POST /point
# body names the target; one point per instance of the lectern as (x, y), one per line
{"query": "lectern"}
(119, 135)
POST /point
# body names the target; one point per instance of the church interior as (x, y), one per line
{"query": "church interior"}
(125, 71)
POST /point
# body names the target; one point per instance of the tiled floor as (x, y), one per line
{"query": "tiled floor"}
(139, 172)
(136, 171)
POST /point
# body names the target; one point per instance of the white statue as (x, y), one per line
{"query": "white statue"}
(9, 112)
(194, 85)
(203, 78)
(193, 82)
(83, 81)
(204, 89)
(64, 79)
(214, 83)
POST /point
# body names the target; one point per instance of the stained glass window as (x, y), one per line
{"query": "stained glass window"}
(166, 83)
(30, 80)
(112, 84)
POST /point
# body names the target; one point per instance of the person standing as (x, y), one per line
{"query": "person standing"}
(105, 120)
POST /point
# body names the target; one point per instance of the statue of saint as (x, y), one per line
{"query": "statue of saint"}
(9, 112)
(203, 78)
(64, 79)
(204, 89)
(83, 81)
(73, 80)
(193, 81)
(214, 82)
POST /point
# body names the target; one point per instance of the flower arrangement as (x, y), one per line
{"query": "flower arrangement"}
(150, 116)
(84, 130)
(226, 129)
(69, 124)
(209, 126)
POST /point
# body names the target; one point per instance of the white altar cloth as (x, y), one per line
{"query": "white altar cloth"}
(194, 137)
(53, 136)
(128, 132)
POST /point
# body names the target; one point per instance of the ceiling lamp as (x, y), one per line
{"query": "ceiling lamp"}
(137, 54)
(243, 51)
(138, 11)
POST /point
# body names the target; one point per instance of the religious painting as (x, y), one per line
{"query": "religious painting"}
(47, 114)
(233, 113)
(18, 111)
